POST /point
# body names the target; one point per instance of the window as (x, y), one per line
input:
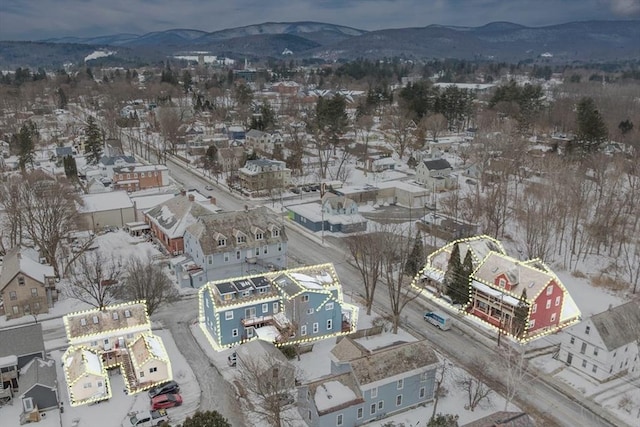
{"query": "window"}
(210, 259)
(315, 328)
(13, 296)
(339, 420)
(34, 292)
(275, 232)
(275, 307)
(20, 280)
(135, 175)
(87, 385)
(329, 324)
(550, 290)
(534, 308)
(572, 340)
(114, 316)
(141, 374)
(373, 408)
(594, 369)
(257, 251)
(548, 304)
(380, 405)
(106, 341)
(259, 235)
(127, 313)
(15, 309)
(26, 309)
(95, 320)
(399, 400)
(557, 301)
(360, 411)
(228, 315)
(141, 174)
(584, 363)
(234, 333)
(265, 249)
(237, 254)
(83, 322)
(553, 317)
(99, 383)
(400, 384)
(222, 242)
(502, 282)
(422, 393)
(374, 393)
(241, 238)
(328, 306)
(36, 305)
(532, 323)
(279, 247)
(153, 369)
(583, 348)
(587, 330)
(250, 312)
(265, 308)
(309, 310)
(304, 298)
(303, 330)
(120, 177)
(226, 257)
(128, 176)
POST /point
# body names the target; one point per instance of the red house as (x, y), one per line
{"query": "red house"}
(501, 283)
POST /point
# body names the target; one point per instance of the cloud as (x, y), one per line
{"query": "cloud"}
(38, 19)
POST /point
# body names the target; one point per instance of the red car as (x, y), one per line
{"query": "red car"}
(166, 401)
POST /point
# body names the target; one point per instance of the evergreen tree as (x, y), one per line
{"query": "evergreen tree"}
(206, 419)
(187, 81)
(93, 144)
(467, 269)
(26, 145)
(453, 273)
(625, 126)
(70, 167)
(520, 315)
(592, 130)
(416, 257)
(62, 98)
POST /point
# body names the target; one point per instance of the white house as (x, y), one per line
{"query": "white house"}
(435, 174)
(605, 345)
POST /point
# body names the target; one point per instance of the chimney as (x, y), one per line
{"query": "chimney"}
(183, 192)
(191, 197)
(212, 200)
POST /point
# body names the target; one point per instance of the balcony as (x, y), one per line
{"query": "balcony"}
(253, 321)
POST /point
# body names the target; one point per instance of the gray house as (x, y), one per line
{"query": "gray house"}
(23, 342)
(369, 385)
(38, 387)
(336, 214)
(231, 244)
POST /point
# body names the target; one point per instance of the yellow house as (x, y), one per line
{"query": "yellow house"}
(87, 379)
(150, 361)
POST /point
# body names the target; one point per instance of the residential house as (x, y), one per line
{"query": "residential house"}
(38, 388)
(501, 286)
(236, 132)
(435, 175)
(604, 346)
(26, 286)
(108, 163)
(170, 219)
(150, 360)
(111, 209)
(264, 176)
(284, 307)
(86, 376)
(231, 244)
(264, 143)
(503, 419)
(335, 214)
(20, 345)
(135, 178)
(266, 367)
(121, 336)
(369, 385)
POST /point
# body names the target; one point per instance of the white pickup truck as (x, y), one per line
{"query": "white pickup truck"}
(146, 418)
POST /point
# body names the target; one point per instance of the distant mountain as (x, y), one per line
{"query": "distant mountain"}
(592, 41)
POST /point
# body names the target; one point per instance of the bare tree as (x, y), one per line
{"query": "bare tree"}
(439, 391)
(43, 211)
(366, 253)
(95, 279)
(396, 248)
(169, 119)
(475, 389)
(269, 380)
(399, 125)
(434, 125)
(513, 371)
(145, 280)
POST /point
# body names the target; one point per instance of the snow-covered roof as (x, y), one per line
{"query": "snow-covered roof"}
(156, 347)
(331, 394)
(10, 360)
(105, 201)
(507, 299)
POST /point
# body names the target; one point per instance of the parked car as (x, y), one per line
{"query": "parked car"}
(168, 387)
(232, 359)
(163, 401)
(208, 187)
(146, 418)
(295, 190)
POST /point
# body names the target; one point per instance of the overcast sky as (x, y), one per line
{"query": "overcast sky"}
(39, 19)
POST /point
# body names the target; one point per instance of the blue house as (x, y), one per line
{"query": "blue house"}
(365, 386)
(339, 214)
(283, 307)
(233, 244)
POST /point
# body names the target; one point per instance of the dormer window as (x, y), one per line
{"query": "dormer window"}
(275, 232)
(502, 282)
(240, 237)
(83, 322)
(95, 319)
(21, 280)
(114, 316)
(222, 242)
(259, 235)
(127, 313)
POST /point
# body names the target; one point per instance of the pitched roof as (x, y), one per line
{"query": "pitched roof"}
(16, 261)
(503, 419)
(437, 164)
(335, 392)
(209, 227)
(112, 318)
(619, 325)
(392, 361)
(38, 371)
(22, 340)
(145, 348)
(79, 361)
(110, 160)
(176, 214)
(347, 349)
